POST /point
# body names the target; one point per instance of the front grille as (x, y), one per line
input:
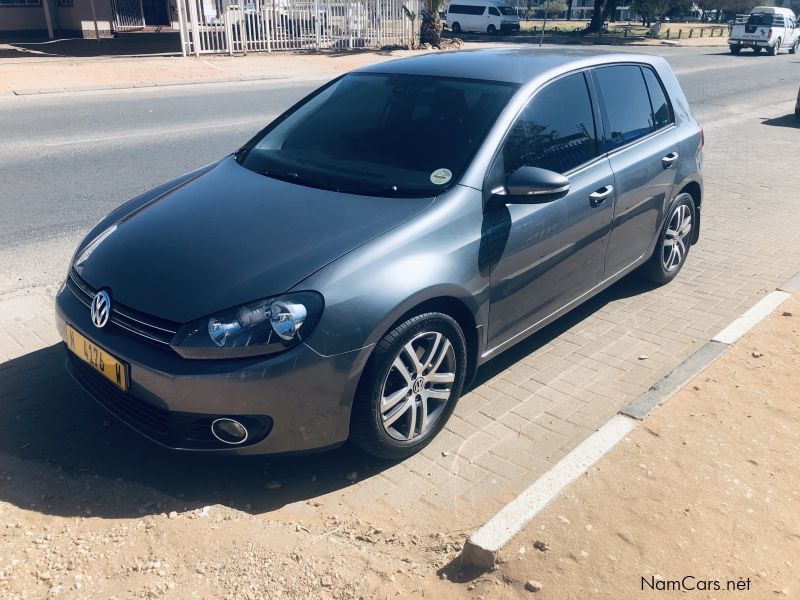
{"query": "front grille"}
(151, 420)
(148, 327)
(172, 429)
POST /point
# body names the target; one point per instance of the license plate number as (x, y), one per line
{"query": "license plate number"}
(103, 362)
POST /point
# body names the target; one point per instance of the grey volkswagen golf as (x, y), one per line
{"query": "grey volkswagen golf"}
(344, 273)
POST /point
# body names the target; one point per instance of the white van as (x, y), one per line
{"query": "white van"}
(490, 16)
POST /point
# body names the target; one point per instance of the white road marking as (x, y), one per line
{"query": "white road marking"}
(751, 318)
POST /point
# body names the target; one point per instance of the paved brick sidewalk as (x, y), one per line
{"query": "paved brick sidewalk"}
(529, 408)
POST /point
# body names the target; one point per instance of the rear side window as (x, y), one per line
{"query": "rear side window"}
(627, 104)
(555, 131)
(464, 9)
(662, 115)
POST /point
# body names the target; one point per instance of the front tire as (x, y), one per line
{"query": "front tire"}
(793, 49)
(756, 49)
(491, 30)
(409, 387)
(674, 242)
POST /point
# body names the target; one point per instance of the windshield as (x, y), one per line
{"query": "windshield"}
(508, 11)
(381, 134)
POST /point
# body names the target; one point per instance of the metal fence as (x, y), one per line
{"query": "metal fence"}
(242, 26)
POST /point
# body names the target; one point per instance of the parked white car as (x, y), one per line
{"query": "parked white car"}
(488, 16)
(767, 27)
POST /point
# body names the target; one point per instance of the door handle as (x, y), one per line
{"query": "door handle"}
(598, 197)
(669, 159)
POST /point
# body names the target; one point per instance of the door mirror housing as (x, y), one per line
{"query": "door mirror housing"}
(532, 185)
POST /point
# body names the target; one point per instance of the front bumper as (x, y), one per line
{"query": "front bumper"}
(294, 401)
(509, 27)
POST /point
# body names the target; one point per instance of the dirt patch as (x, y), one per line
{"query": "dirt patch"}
(706, 488)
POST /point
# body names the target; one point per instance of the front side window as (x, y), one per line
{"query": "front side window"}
(493, 11)
(556, 131)
(627, 104)
(381, 134)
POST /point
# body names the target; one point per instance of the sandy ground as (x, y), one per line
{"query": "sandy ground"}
(707, 488)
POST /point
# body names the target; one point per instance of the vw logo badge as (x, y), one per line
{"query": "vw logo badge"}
(101, 309)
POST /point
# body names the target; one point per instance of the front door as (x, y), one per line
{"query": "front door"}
(643, 149)
(550, 254)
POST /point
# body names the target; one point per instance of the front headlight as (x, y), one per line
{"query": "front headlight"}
(262, 327)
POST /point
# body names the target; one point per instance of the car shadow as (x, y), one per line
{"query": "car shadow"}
(790, 121)
(62, 454)
(55, 440)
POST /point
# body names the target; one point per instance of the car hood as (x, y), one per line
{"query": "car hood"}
(230, 236)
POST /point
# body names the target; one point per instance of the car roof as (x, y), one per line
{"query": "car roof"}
(772, 10)
(511, 65)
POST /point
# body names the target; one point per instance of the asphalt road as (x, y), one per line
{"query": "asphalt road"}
(68, 159)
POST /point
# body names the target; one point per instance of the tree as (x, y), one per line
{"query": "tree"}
(430, 30)
(550, 7)
(602, 10)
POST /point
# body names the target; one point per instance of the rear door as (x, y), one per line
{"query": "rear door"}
(544, 256)
(642, 144)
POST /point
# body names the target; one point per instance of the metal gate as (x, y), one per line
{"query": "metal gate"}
(242, 26)
(128, 14)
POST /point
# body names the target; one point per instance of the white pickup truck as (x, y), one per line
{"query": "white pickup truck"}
(767, 27)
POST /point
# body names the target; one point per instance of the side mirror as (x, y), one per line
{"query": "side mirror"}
(532, 185)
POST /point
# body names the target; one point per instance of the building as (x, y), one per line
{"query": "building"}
(84, 18)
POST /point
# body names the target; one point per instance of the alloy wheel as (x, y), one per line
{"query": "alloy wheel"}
(418, 386)
(676, 240)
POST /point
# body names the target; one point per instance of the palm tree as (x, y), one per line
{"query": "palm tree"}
(430, 30)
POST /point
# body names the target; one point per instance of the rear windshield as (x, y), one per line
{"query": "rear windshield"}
(381, 134)
(761, 19)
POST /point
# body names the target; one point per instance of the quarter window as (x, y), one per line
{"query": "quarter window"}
(627, 104)
(556, 131)
(662, 115)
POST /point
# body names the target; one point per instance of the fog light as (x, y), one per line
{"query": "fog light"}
(229, 431)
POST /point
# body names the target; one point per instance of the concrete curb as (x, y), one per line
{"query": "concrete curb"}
(481, 549)
(675, 380)
(147, 84)
(483, 546)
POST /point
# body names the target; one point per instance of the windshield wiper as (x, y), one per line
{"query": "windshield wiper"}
(294, 177)
(282, 175)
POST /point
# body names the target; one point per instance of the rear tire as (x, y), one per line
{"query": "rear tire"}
(775, 49)
(404, 399)
(735, 50)
(674, 242)
(456, 27)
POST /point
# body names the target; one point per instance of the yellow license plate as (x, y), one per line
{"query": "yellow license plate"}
(103, 362)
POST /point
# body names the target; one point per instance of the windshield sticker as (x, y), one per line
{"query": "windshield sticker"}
(441, 176)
